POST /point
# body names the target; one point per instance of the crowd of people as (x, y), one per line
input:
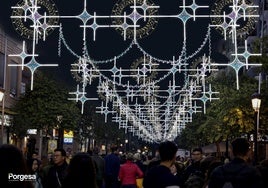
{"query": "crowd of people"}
(133, 170)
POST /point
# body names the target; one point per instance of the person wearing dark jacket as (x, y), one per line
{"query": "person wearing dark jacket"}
(112, 167)
(237, 173)
(81, 172)
(160, 176)
(194, 169)
(263, 168)
(100, 166)
(58, 171)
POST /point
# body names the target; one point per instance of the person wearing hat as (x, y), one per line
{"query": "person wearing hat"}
(129, 172)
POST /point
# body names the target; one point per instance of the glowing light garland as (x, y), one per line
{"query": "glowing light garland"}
(151, 97)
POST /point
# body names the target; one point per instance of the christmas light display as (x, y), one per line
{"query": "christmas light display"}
(150, 96)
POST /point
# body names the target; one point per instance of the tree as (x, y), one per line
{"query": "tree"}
(44, 108)
(230, 116)
(260, 45)
(93, 126)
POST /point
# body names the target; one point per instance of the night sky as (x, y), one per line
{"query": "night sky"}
(163, 43)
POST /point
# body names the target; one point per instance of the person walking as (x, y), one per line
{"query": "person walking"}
(129, 172)
(81, 172)
(99, 164)
(35, 169)
(263, 168)
(194, 168)
(112, 166)
(177, 169)
(237, 173)
(139, 162)
(160, 176)
(155, 161)
(58, 171)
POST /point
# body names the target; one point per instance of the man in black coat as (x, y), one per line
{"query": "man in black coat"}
(58, 171)
(194, 167)
(112, 167)
(237, 173)
(160, 176)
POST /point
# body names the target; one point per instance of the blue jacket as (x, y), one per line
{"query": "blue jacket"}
(112, 166)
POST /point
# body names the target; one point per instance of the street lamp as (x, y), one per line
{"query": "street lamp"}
(2, 95)
(256, 104)
(106, 145)
(126, 145)
(89, 135)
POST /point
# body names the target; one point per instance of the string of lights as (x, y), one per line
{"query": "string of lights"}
(151, 97)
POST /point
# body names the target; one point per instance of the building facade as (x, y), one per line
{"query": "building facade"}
(13, 81)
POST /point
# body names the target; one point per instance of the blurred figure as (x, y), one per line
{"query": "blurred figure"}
(35, 155)
(112, 166)
(129, 172)
(137, 160)
(58, 171)
(154, 161)
(206, 162)
(12, 163)
(35, 169)
(177, 169)
(226, 160)
(263, 168)
(237, 173)
(160, 176)
(194, 168)
(210, 169)
(30, 159)
(99, 164)
(47, 163)
(81, 172)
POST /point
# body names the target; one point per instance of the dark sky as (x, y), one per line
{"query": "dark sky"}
(163, 43)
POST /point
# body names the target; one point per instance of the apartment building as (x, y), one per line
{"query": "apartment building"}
(13, 81)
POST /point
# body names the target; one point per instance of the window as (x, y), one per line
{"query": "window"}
(265, 5)
(13, 80)
(25, 80)
(2, 70)
(22, 88)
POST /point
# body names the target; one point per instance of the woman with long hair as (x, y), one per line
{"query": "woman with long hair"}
(35, 170)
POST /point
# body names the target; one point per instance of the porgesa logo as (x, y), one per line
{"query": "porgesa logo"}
(21, 177)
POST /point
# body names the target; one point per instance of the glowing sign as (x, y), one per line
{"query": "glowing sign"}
(68, 134)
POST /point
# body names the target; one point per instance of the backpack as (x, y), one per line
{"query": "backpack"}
(195, 180)
(227, 185)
